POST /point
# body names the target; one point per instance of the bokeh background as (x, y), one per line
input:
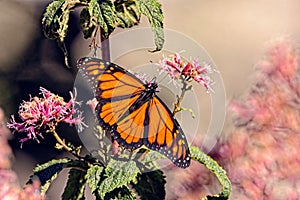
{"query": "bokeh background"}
(235, 33)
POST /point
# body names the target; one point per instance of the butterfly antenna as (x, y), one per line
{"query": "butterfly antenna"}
(153, 79)
(155, 69)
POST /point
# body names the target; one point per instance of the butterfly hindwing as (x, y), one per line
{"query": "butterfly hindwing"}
(131, 121)
(165, 135)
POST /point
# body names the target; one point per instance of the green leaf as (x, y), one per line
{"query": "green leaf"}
(75, 187)
(86, 23)
(216, 169)
(93, 176)
(123, 193)
(117, 174)
(127, 13)
(108, 12)
(151, 185)
(98, 13)
(152, 9)
(55, 19)
(148, 161)
(50, 19)
(48, 171)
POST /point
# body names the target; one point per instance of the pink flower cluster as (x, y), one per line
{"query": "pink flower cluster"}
(262, 154)
(176, 68)
(40, 115)
(9, 187)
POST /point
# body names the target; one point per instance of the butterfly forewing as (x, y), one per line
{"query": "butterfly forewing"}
(129, 111)
(107, 79)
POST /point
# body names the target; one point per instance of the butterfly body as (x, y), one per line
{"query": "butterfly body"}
(132, 112)
(147, 94)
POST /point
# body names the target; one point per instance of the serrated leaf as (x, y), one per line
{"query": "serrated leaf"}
(117, 175)
(50, 19)
(216, 169)
(148, 160)
(150, 185)
(123, 193)
(48, 171)
(75, 187)
(127, 13)
(93, 176)
(108, 12)
(87, 26)
(152, 9)
(55, 19)
(98, 13)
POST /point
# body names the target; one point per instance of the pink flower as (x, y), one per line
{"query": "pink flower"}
(261, 155)
(177, 68)
(41, 115)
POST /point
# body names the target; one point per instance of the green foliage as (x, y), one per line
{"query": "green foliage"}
(93, 176)
(98, 14)
(121, 179)
(150, 185)
(48, 172)
(106, 14)
(117, 174)
(122, 193)
(148, 161)
(215, 198)
(55, 21)
(216, 169)
(76, 182)
(127, 13)
(75, 187)
(152, 9)
(112, 181)
(108, 11)
(56, 18)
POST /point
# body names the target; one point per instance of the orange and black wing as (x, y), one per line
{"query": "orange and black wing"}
(154, 126)
(116, 90)
(165, 134)
(150, 124)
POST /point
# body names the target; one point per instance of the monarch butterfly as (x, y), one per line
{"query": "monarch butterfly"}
(132, 112)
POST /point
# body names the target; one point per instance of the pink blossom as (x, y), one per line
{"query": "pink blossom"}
(42, 114)
(267, 164)
(261, 152)
(177, 68)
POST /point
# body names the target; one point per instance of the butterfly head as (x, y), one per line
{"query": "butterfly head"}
(152, 85)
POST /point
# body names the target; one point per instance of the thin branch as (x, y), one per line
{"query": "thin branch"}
(64, 145)
(185, 87)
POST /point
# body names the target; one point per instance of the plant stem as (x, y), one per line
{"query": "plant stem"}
(177, 107)
(60, 141)
(64, 145)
